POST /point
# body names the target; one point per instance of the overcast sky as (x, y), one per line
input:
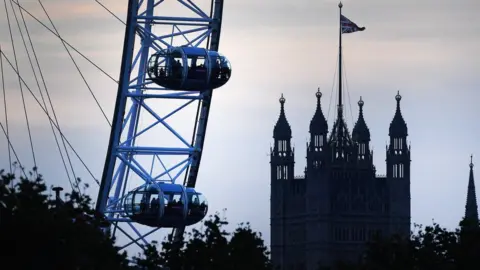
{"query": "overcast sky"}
(424, 48)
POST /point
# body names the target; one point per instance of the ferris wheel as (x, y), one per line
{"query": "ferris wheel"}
(169, 64)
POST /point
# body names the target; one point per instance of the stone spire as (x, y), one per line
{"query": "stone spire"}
(318, 124)
(282, 129)
(360, 130)
(471, 208)
(398, 127)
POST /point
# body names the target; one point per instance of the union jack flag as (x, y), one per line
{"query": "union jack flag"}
(349, 26)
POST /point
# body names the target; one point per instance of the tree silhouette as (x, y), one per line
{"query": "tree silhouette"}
(432, 247)
(38, 232)
(211, 247)
(245, 243)
(151, 259)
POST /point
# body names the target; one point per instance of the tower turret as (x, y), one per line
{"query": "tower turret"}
(318, 125)
(471, 208)
(282, 162)
(282, 130)
(398, 172)
(281, 155)
(398, 127)
(361, 134)
(398, 153)
(316, 148)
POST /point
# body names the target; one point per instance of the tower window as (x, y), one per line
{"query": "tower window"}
(318, 140)
(362, 149)
(282, 172)
(397, 143)
(401, 170)
(395, 171)
(282, 145)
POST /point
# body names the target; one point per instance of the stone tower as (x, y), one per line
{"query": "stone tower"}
(340, 203)
(282, 161)
(328, 214)
(398, 172)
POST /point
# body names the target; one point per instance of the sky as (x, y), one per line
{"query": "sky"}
(424, 49)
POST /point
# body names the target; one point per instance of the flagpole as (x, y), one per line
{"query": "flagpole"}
(340, 106)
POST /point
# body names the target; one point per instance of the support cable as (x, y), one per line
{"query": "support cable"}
(331, 93)
(21, 88)
(49, 99)
(6, 114)
(13, 150)
(75, 63)
(137, 31)
(40, 90)
(58, 129)
(348, 92)
(65, 42)
(120, 20)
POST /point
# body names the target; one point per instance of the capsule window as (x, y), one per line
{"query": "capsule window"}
(177, 198)
(128, 204)
(158, 66)
(196, 68)
(202, 201)
(189, 68)
(193, 199)
(152, 64)
(197, 207)
(176, 66)
(154, 203)
(138, 203)
(220, 70)
(173, 199)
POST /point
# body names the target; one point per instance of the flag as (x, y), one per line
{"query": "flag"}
(349, 26)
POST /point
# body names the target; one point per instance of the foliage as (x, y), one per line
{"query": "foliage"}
(211, 248)
(432, 247)
(40, 232)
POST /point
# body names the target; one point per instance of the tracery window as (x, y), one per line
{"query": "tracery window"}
(282, 145)
(318, 142)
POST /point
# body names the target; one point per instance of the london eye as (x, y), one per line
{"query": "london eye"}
(169, 64)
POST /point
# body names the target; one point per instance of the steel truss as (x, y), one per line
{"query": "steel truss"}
(138, 97)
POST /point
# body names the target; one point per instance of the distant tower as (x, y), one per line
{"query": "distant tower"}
(282, 158)
(471, 209)
(317, 147)
(361, 135)
(398, 172)
(282, 163)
